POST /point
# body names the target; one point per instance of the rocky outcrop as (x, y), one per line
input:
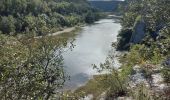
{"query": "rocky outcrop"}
(138, 31)
(155, 83)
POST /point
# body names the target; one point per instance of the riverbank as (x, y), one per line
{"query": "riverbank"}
(127, 83)
(66, 30)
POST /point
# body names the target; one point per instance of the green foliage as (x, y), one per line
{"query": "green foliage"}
(166, 74)
(141, 92)
(95, 86)
(140, 53)
(7, 24)
(114, 83)
(154, 13)
(18, 16)
(153, 49)
(69, 95)
(128, 19)
(118, 84)
(126, 71)
(90, 17)
(30, 68)
(124, 39)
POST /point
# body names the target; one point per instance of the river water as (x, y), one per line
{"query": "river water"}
(92, 45)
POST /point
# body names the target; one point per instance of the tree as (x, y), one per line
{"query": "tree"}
(7, 24)
(90, 18)
(57, 14)
(30, 69)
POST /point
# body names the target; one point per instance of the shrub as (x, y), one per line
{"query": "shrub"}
(124, 39)
(141, 92)
(166, 74)
(7, 24)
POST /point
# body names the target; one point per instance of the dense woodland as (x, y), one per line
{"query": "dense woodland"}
(36, 16)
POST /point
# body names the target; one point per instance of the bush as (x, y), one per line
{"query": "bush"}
(124, 39)
(166, 71)
(141, 92)
(30, 69)
(166, 74)
(7, 24)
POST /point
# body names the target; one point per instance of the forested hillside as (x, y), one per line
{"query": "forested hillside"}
(43, 16)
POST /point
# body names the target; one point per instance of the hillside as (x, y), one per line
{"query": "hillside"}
(36, 16)
(107, 6)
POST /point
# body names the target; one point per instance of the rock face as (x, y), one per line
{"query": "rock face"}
(139, 32)
(137, 78)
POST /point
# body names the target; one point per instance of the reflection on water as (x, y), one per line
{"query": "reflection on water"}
(93, 43)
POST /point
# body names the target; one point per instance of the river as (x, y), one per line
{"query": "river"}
(92, 45)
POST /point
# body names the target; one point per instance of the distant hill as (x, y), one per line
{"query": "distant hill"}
(108, 6)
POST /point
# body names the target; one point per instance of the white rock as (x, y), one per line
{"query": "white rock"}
(137, 68)
(157, 78)
(88, 97)
(124, 98)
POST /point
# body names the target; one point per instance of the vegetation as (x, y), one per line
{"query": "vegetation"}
(106, 6)
(155, 14)
(152, 52)
(123, 42)
(31, 68)
(34, 16)
(142, 93)
(154, 48)
(166, 71)
(109, 85)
